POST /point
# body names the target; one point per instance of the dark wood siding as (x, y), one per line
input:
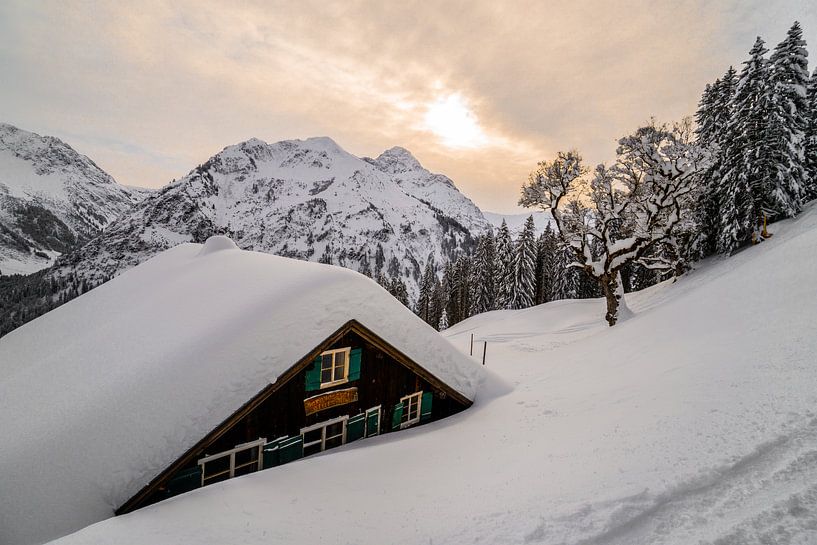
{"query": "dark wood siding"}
(383, 381)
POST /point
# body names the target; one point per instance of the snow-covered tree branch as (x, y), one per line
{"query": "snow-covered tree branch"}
(627, 210)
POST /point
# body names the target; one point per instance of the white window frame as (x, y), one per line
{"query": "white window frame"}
(405, 400)
(257, 444)
(322, 426)
(335, 381)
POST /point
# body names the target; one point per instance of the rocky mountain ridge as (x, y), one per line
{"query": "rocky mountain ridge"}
(52, 200)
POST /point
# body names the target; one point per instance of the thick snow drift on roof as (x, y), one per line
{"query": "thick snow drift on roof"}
(101, 394)
(691, 423)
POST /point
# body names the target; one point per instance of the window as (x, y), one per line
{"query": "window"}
(411, 409)
(320, 437)
(334, 367)
(243, 459)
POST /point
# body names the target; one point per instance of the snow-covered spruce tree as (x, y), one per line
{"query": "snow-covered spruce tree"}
(437, 304)
(786, 126)
(503, 268)
(455, 280)
(811, 138)
(546, 247)
(524, 264)
(744, 161)
(642, 196)
(712, 118)
(443, 324)
(423, 307)
(566, 281)
(484, 275)
(464, 292)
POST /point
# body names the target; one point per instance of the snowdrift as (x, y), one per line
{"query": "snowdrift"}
(101, 394)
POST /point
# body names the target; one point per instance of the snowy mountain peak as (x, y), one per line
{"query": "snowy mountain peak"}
(52, 198)
(396, 160)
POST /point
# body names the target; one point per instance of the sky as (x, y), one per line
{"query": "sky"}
(477, 90)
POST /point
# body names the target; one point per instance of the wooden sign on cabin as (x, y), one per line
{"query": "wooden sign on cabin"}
(322, 402)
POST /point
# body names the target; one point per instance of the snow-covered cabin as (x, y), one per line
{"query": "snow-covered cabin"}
(204, 363)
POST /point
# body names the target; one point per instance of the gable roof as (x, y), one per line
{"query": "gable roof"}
(112, 387)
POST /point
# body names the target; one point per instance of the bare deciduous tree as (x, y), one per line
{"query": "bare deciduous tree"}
(625, 211)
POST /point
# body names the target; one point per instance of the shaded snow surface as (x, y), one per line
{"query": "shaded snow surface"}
(693, 422)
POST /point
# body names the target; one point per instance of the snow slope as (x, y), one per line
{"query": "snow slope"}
(693, 422)
(51, 199)
(111, 388)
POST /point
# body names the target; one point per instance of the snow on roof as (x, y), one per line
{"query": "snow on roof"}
(103, 393)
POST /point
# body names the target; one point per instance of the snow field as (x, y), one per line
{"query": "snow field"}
(692, 422)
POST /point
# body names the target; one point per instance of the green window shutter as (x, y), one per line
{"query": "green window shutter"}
(313, 376)
(397, 416)
(354, 363)
(373, 424)
(425, 406)
(355, 426)
(291, 449)
(184, 481)
(272, 453)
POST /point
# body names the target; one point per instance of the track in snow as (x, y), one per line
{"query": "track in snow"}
(766, 497)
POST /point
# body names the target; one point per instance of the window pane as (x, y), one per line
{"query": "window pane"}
(312, 449)
(334, 429)
(326, 375)
(340, 372)
(340, 358)
(334, 442)
(217, 470)
(314, 435)
(326, 361)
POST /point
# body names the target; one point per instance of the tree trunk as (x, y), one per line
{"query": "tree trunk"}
(613, 289)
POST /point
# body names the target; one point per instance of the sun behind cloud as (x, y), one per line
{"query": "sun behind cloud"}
(450, 118)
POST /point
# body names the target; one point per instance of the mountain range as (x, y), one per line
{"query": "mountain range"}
(306, 199)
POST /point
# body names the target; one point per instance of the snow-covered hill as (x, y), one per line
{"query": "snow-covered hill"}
(307, 199)
(517, 221)
(692, 422)
(51, 199)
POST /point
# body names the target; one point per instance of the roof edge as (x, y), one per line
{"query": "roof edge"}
(133, 503)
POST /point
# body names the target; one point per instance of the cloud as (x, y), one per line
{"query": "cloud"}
(168, 84)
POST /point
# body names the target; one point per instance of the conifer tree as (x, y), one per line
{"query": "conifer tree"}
(786, 127)
(744, 157)
(565, 284)
(546, 248)
(504, 271)
(458, 280)
(443, 324)
(423, 309)
(811, 138)
(524, 263)
(437, 304)
(484, 274)
(705, 113)
(712, 118)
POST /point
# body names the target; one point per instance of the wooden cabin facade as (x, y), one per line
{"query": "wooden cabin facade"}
(352, 386)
